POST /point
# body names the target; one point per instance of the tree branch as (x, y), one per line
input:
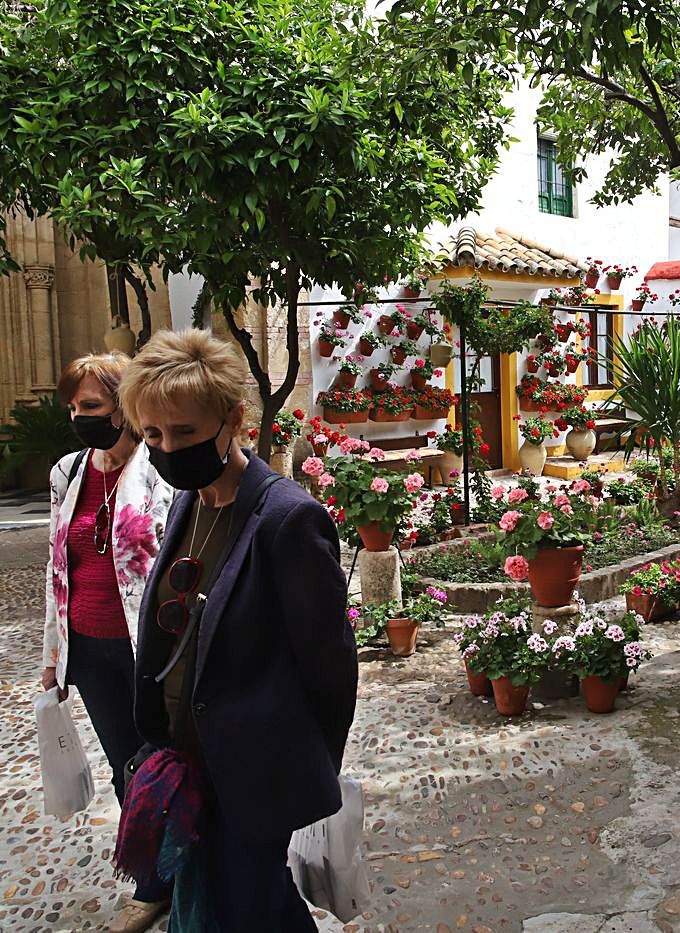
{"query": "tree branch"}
(245, 340)
(661, 121)
(616, 90)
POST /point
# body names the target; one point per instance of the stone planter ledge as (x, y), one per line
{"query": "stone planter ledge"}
(594, 587)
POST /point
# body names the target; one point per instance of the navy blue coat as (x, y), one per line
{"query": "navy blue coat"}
(276, 666)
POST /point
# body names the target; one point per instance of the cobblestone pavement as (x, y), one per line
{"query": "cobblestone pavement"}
(558, 821)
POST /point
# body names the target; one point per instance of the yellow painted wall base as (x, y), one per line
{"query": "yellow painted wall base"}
(561, 468)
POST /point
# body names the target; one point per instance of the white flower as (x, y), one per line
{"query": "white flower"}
(537, 644)
(614, 633)
(549, 626)
(584, 628)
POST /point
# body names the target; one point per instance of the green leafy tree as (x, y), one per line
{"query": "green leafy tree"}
(266, 145)
(609, 70)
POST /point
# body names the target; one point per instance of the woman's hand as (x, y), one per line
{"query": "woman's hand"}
(49, 680)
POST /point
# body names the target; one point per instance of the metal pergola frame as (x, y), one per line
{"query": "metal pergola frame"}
(501, 303)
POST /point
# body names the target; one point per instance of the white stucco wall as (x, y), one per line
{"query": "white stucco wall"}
(674, 232)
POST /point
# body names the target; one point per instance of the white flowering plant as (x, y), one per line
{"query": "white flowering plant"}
(502, 645)
(606, 649)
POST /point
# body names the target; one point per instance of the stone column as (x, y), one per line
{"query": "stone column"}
(380, 575)
(39, 279)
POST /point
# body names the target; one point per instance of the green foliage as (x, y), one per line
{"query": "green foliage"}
(36, 433)
(646, 370)
(361, 504)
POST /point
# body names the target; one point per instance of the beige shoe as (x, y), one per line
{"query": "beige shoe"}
(137, 916)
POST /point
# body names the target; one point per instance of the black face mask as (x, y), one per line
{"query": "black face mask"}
(96, 431)
(193, 467)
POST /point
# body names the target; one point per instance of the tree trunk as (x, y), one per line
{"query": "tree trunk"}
(115, 277)
(143, 301)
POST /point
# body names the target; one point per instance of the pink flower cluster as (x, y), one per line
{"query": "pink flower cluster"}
(413, 482)
(509, 520)
(545, 521)
(351, 445)
(379, 485)
(517, 495)
(516, 567)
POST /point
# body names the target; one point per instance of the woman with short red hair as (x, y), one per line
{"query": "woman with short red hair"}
(109, 508)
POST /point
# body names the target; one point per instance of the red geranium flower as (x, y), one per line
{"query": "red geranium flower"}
(299, 414)
(276, 429)
(484, 450)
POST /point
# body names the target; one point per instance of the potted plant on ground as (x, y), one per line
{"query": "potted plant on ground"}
(329, 339)
(450, 442)
(344, 406)
(348, 371)
(380, 375)
(468, 642)
(532, 453)
(393, 404)
(287, 426)
(421, 372)
(372, 501)
(625, 492)
(400, 351)
(512, 657)
(595, 476)
(545, 539)
(616, 273)
(370, 341)
(604, 654)
(643, 295)
(433, 402)
(403, 626)
(593, 272)
(581, 440)
(654, 590)
(554, 362)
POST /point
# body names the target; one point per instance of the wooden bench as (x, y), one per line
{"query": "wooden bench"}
(609, 426)
(396, 449)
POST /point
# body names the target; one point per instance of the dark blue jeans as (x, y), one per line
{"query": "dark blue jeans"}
(103, 671)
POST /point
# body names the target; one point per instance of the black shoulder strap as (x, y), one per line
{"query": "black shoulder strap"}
(235, 529)
(80, 456)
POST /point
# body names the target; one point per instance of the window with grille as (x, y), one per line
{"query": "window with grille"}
(599, 373)
(554, 190)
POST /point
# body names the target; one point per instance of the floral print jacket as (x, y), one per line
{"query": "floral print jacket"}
(141, 507)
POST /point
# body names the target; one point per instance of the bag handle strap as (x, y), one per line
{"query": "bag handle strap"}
(235, 528)
(75, 466)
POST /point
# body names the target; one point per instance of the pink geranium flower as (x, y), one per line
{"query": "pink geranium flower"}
(413, 482)
(326, 480)
(509, 520)
(498, 492)
(561, 500)
(582, 485)
(379, 484)
(516, 567)
(517, 496)
(413, 454)
(545, 521)
(567, 510)
(376, 453)
(313, 466)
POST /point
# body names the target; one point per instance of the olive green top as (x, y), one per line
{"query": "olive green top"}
(209, 555)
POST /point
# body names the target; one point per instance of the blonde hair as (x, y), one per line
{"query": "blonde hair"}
(183, 364)
(107, 368)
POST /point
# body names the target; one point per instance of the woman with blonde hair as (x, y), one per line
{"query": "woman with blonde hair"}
(108, 514)
(246, 667)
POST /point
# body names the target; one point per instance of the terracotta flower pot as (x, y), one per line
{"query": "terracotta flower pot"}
(325, 347)
(651, 608)
(600, 695)
(614, 282)
(378, 380)
(385, 324)
(373, 538)
(554, 371)
(550, 302)
(402, 635)
(384, 417)
(418, 381)
(623, 683)
(341, 318)
(581, 443)
(592, 278)
(457, 512)
(637, 304)
(365, 348)
(533, 457)
(532, 366)
(480, 685)
(554, 574)
(411, 292)
(414, 330)
(333, 416)
(563, 336)
(572, 366)
(320, 450)
(348, 380)
(510, 701)
(528, 404)
(398, 355)
(429, 414)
